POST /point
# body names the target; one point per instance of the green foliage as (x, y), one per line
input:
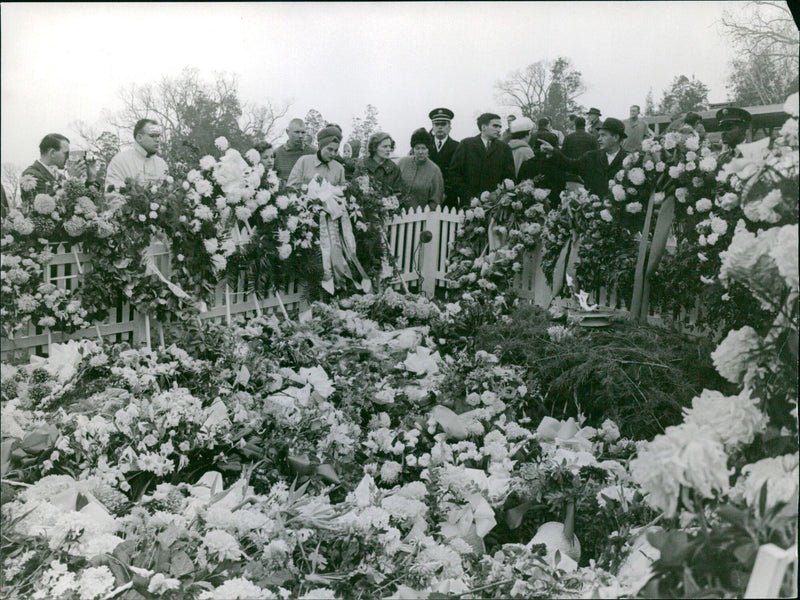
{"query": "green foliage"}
(683, 95)
(639, 377)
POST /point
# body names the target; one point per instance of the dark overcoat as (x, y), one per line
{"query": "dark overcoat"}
(474, 169)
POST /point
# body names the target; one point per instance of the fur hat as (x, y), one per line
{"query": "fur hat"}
(421, 136)
(327, 135)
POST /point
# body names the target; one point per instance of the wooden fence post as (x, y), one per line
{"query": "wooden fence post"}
(430, 252)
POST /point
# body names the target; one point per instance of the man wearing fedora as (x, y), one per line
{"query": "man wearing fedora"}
(593, 121)
(443, 148)
(596, 167)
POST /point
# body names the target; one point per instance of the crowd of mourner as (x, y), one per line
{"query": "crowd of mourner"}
(439, 170)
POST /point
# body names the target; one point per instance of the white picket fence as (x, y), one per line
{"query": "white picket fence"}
(422, 266)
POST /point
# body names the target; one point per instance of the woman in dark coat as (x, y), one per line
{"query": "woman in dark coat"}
(382, 171)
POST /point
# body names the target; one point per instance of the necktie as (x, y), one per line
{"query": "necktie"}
(438, 145)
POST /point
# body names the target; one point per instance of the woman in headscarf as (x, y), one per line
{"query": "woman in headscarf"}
(382, 171)
(322, 163)
(423, 184)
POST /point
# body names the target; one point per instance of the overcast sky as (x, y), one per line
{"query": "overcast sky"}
(67, 62)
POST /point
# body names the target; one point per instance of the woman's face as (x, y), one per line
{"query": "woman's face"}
(329, 151)
(420, 152)
(384, 149)
(268, 159)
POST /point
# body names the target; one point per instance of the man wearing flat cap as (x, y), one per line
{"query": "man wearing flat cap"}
(596, 167)
(443, 148)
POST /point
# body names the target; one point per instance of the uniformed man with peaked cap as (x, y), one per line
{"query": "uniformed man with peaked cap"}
(443, 148)
(733, 123)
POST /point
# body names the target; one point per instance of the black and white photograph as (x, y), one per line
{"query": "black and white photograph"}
(399, 300)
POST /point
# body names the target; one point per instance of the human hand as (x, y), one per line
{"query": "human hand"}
(545, 147)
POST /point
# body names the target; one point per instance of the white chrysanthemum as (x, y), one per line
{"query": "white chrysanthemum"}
(239, 588)
(781, 475)
(719, 226)
(684, 455)
(194, 175)
(207, 162)
(252, 156)
(211, 245)
(390, 470)
(734, 354)
(728, 201)
(636, 175)
(734, 419)
(784, 252)
(282, 202)
(284, 251)
(94, 582)
(677, 170)
(708, 164)
(222, 545)
(269, 213)
(703, 205)
(203, 187)
(203, 213)
(633, 207)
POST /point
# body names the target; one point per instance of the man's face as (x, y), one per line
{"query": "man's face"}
(59, 157)
(296, 133)
(441, 129)
(634, 112)
(733, 135)
(492, 129)
(149, 138)
(510, 119)
(592, 118)
(329, 151)
(607, 141)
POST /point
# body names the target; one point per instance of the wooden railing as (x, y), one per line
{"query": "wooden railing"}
(422, 266)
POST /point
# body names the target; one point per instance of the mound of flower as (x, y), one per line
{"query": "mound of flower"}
(335, 458)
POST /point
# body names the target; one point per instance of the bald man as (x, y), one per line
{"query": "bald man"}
(287, 155)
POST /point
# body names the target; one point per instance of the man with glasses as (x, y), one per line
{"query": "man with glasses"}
(47, 171)
(140, 162)
(441, 153)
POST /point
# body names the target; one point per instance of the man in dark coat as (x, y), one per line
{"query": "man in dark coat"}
(443, 148)
(46, 171)
(596, 167)
(543, 169)
(482, 162)
(579, 141)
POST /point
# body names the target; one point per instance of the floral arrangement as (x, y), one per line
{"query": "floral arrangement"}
(499, 227)
(68, 216)
(706, 466)
(323, 237)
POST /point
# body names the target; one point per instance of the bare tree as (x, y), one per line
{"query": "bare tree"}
(261, 121)
(764, 28)
(543, 87)
(525, 88)
(11, 174)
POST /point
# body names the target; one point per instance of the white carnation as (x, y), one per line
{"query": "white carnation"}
(633, 207)
(221, 143)
(703, 205)
(637, 176)
(207, 162)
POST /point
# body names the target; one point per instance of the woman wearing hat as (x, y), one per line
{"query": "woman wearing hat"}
(423, 184)
(322, 163)
(377, 164)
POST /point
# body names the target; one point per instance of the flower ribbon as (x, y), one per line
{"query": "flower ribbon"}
(336, 239)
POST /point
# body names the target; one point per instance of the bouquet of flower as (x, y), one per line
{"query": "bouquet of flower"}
(499, 227)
